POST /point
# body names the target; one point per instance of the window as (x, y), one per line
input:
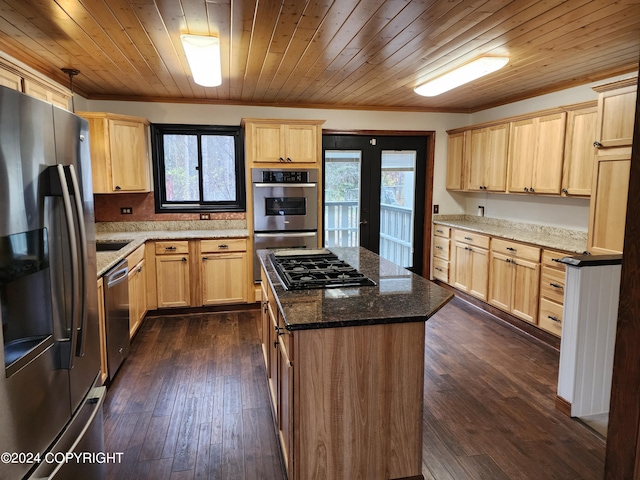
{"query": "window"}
(198, 168)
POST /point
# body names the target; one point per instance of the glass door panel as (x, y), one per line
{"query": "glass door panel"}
(342, 178)
(397, 212)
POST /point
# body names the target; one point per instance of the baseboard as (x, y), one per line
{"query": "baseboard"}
(563, 406)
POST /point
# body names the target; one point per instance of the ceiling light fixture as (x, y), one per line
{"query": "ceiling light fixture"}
(466, 73)
(203, 55)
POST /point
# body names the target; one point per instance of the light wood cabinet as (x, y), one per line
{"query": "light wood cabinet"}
(137, 290)
(10, 79)
(470, 263)
(441, 253)
(486, 152)
(224, 271)
(278, 141)
(455, 161)
(536, 151)
(42, 92)
(514, 277)
(172, 274)
(552, 282)
(102, 328)
(119, 152)
(608, 207)
(616, 113)
(579, 152)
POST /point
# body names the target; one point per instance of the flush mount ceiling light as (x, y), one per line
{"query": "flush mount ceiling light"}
(466, 73)
(203, 55)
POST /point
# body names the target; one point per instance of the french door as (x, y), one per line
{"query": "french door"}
(374, 192)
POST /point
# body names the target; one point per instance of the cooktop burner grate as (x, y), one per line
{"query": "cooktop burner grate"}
(318, 270)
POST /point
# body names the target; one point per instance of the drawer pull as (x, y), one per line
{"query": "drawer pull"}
(222, 246)
(438, 247)
(555, 260)
(555, 285)
(555, 319)
(170, 248)
(469, 239)
(440, 231)
(438, 269)
(184, 259)
(511, 249)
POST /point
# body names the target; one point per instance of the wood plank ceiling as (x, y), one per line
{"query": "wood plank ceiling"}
(366, 54)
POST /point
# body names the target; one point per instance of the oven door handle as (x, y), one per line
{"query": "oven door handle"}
(286, 234)
(284, 185)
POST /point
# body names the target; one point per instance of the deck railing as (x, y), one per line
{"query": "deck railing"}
(396, 229)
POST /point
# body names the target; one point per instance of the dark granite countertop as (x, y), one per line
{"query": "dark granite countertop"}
(399, 296)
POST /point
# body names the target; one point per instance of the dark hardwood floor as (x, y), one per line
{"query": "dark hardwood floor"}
(191, 402)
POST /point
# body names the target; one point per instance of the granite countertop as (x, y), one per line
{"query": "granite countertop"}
(399, 296)
(107, 260)
(574, 241)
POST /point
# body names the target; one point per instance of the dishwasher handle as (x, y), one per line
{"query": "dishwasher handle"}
(118, 274)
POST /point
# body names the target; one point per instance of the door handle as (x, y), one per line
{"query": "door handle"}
(363, 222)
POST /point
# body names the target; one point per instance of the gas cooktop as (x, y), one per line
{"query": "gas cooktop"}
(303, 269)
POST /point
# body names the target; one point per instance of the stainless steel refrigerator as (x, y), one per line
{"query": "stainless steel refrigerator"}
(50, 400)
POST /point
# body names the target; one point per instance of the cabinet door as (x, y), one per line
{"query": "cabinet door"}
(608, 206)
(172, 280)
(521, 154)
(500, 281)
(462, 267)
(496, 155)
(285, 407)
(132, 280)
(579, 153)
(274, 368)
(616, 117)
(224, 278)
(301, 143)
(479, 273)
(268, 143)
(476, 146)
(549, 153)
(10, 80)
(526, 280)
(455, 161)
(129, 169)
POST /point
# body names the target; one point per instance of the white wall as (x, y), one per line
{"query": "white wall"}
(555, 211)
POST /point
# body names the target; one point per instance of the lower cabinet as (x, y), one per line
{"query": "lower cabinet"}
(104, 371)
(552, 281)
(514, 277)
(172, 274)
(224, 271)
(137, 289)
(470, 262)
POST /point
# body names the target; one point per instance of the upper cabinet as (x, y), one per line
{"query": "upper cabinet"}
(536, 151)
(579, 153)
(18, 78)
(455, 161)
(616, 114)
(610, 184)
(283, 141)
(119, 152)
(486, 158)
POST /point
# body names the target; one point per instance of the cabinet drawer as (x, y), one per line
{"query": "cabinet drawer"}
(441, 231)
(552, 285)
(550, 259)
(136, 256)
(441, 270)
(224, 245)
(526, 252)
(171, 247)
(550, 317)
(472, 238)
(441, 248)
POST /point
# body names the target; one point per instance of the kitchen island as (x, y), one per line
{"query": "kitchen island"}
(345, 370)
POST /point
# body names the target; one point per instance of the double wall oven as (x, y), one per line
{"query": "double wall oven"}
(285, 210)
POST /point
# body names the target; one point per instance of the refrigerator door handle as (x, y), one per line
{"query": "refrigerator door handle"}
(73, 247)
(81, 331)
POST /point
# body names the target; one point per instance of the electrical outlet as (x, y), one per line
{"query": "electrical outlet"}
(436, 208)
(205, 216)
(126, 210)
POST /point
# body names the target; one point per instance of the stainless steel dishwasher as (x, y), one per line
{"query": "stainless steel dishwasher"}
(116, 299)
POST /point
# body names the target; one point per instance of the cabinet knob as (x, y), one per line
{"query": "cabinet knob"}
(184, 259)
(565, 191)
(531, 190)
(597, 144)
(118, 187)
(281, 159)
(289, 160)
(526, 189)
